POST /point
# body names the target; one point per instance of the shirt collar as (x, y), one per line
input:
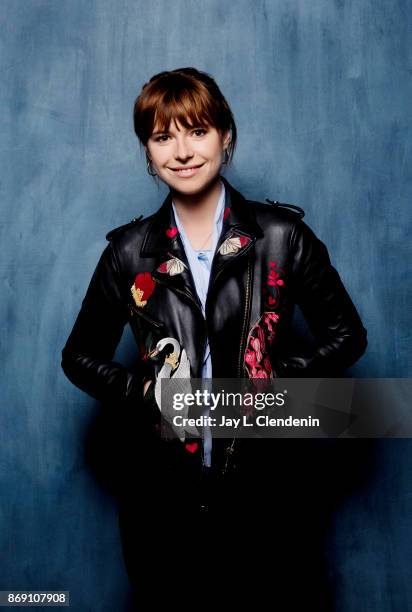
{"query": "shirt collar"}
(218, 218)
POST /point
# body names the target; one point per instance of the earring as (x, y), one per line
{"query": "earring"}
(149, 167)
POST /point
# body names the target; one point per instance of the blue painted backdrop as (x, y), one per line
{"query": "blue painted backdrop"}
(321, 94)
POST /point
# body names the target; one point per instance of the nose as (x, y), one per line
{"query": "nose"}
(183, 150)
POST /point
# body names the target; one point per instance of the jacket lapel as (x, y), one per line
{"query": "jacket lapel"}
(163, 242)
(239, 233)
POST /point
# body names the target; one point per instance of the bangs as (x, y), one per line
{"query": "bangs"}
(176, 99)
(184, 107)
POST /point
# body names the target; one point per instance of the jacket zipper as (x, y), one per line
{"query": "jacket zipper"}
(231, 448)
(245, 318)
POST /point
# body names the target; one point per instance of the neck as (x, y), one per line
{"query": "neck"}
(200, 207)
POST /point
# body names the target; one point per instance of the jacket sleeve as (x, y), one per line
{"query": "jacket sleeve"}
(329, 311)
(87, 355)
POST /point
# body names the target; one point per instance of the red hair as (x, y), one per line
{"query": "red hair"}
(187, 95)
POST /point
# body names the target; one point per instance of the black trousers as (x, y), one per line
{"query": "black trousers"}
(195, 539)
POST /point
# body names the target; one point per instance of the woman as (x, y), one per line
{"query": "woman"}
(208, 284)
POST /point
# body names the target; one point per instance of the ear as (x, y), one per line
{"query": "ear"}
(146, 150)
(226, 139)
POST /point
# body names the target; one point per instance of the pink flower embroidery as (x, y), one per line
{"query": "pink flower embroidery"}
(255, 344)
(261, 336)
(256, 360)
(250, 358)
(262, 373)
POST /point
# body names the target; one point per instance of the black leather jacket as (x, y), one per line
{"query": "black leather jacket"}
(267, 260)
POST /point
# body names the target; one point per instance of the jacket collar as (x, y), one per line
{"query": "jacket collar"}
(162, 241)
(162, 235)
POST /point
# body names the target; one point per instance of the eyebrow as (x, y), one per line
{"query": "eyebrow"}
(192, 127)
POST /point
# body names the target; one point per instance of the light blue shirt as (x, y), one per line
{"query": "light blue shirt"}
(200, 262)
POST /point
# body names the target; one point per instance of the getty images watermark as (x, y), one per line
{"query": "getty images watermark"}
(298, 407)
(249, 403)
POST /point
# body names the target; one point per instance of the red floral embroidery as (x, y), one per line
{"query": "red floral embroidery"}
(142, 288)
(226, 213)
(171, 232)
(273, 282)
(257, 362)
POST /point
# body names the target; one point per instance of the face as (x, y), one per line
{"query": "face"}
(187, 159)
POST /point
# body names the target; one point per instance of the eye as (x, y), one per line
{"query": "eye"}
(162, 138)
(199, 132)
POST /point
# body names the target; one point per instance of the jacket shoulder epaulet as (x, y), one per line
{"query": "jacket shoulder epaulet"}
(297, 210)
(114, 231)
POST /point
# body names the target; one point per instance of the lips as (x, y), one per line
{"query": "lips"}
(185, 168)
(186, 171)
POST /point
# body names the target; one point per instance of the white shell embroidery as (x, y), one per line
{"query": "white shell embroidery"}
(172, 266)
(232, 245)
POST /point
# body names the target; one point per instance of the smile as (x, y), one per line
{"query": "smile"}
(186, 172)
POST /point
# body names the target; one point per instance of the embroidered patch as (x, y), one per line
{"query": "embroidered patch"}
(172, 266)
(192, 448)
(273, 282)
(232, 245)
(142, 288)
(172, 362)
(257, 361)
(171, 232)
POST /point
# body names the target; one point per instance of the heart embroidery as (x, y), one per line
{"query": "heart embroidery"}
(192, 448)
(171, 232)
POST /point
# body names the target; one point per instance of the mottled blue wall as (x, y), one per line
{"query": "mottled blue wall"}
(321, 93)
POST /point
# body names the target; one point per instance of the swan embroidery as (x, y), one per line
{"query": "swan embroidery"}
(142, 288)
(174, 363)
